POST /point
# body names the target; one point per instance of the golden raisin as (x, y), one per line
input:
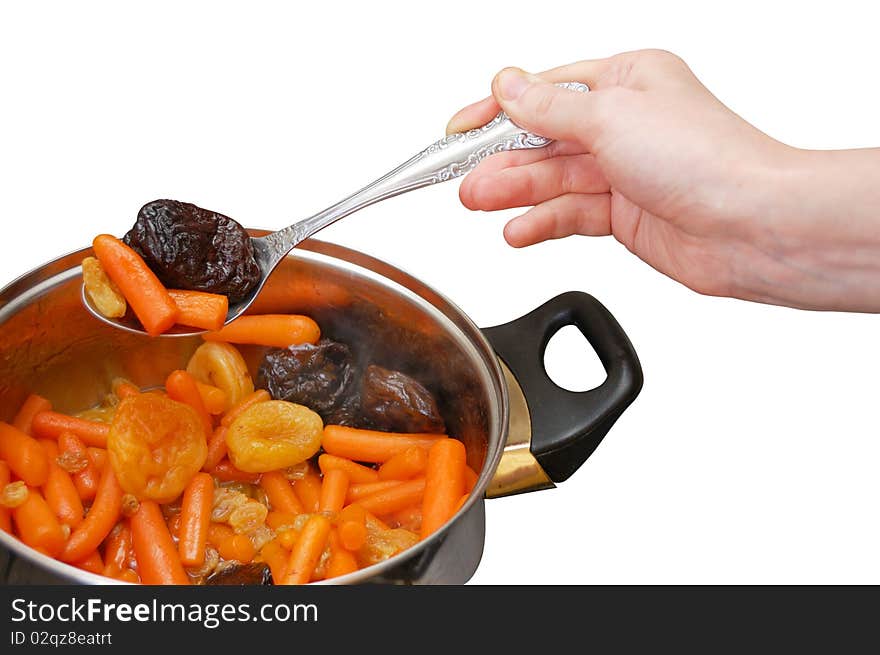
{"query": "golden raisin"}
(14, 494)
(248, 517)
(104, 294)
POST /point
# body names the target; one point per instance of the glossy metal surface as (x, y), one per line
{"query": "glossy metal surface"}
(50, 346)
(449, 158)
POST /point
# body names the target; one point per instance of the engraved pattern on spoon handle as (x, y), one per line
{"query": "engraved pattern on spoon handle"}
(450, 157)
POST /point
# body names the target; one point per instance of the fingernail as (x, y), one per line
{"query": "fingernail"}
(512, 82)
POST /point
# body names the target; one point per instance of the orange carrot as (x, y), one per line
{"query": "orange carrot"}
(214, 397)
(51, 424)
(397, 497)
(102, 516)
(277, 330)
(122, 388)
(460, 503)
(444, 484)
(32, 406)
(5, 514)
(409, 518)
(226, 471)
(127, 575)
(405, 465)
(195, 516)
(352, 534)
(24, 455)
(258, 396)
(357, 473)
(333, 489)
(98, 457)
(238, 547)
(154, 549)
(287, 538)
(149, 300)
(341, 560)
(275, 556)
(358, 491)
(60, 491)
(275, 519)
(37, 526)
(91, 563)
(219, 534)
(86, 479)
(470, 479)
(280, 493)
(118, 549)
(307, 551)
(370, 445)
(308, 490)
(216, 448)
(182, 387)
(199, 309)
(374, 523)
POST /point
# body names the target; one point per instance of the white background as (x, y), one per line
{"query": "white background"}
(751, 454)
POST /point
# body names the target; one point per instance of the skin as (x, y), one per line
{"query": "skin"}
(651, 157)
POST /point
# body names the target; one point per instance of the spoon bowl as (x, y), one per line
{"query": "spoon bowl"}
(452, 156)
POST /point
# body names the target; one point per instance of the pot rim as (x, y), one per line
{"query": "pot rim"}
(455, 321)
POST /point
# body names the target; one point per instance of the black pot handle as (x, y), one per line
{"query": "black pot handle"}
(567, 426)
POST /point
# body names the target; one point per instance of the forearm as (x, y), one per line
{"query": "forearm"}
(819, 233)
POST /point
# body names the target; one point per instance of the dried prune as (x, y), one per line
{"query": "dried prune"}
(319, 376)
(241, 574)
(393, 401)
(188, 247)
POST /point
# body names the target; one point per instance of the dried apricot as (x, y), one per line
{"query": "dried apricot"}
(273, 435)
(156, 445)
(222, 366)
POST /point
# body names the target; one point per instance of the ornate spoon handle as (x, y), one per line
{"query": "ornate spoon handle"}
(450, 157)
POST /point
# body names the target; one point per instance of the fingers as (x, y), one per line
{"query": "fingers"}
(587, 214)
(543, 108)
(531, 184)
(475, 115)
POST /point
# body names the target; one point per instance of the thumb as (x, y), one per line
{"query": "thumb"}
(542, 107)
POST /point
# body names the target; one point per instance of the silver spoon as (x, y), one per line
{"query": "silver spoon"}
(450, 157)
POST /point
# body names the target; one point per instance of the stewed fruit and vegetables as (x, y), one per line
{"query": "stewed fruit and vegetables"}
(210, 480)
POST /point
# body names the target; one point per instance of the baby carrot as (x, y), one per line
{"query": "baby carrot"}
(370, 445)
(444, 484)
(275, 519)
(258, 396)
(214, 397)
(122, 388)
(195, 516)
(405, 465)
(5, 514)
(409, 518)
(352, 534)
(148, 298)
(91, 563)
(358, 491)
(357, 473)
(219, 534)
(341, 559)
(127, 575)
(199, 309)
(51, 424)
(226, 471)
(32, 406)
(280, 493)
(181, 386)
(60, 491)
(85, 479)
(333, 489)
(102, 516)
(24, 455)
(216, 448)
(461, 502)
(37, 526)
(308, 490)
(118, 549)
(154, 549)
(238, 547)
(308, 549)
(470, 479)
(275, 556)
(98, 457)
(397, 497)
(277, 330)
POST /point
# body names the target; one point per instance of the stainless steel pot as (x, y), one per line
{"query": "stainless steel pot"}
(522, 432)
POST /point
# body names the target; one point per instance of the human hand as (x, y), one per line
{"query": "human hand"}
(651, 157)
